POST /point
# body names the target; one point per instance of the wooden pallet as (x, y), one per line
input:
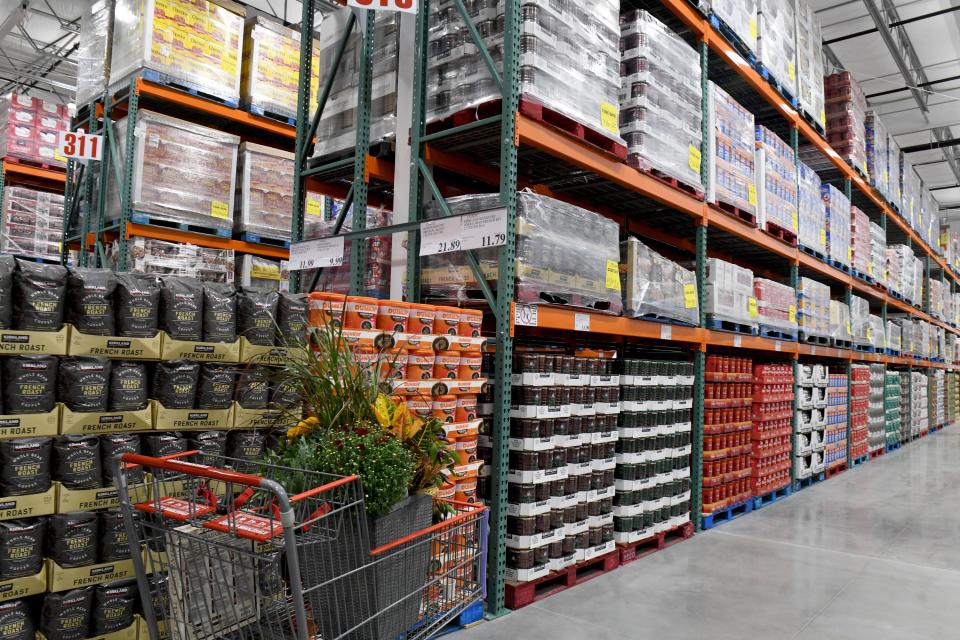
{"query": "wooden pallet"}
(33, 163)
(543, 113)
(726, 515)
(257, 110)
(180, 85)
(856, 462)
(778, 334)
(812, 479)
(521, 594)
(658, 542)
(770, 497)
(256, 238)
(784, 235)
(146, 218)
(734, 327)
(737, 212)
(816, 340)
(813, 252)
(731, 36)
(835, 470)
(877, 453)
(767, 75)
(644, 167)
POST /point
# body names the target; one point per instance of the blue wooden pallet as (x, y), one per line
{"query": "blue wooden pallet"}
(893, 446)
(777, 333)
(810, 480)
(257, 110)
(817, 340)
(767, 75)
(728, 514)
(864, 348)
(898, 296)
(471, 615)
(773, 496)
(734, 327)
(730, 36)
(180, 85)
(863, 276)
(891, 352)
(146, 218)
(813, 252)
(256, 238)
(858, 461)
(836, 264)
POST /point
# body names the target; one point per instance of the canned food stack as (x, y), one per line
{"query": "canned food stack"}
(656, 287)
(892, 407)
(727, 429)
(729, 293)
(935, 393)
(876, 333)
(838, 224)
(846, 108)
(264, 202)
(653, 449)
(813, 304)
(741, 17)
(936, 298)
(811, 420)
(776, 182)
(731, 146)
(859, 410)
(31, 223)
(772, 428)
(776, 306)
(30, 129)
(660, 98)
(835, 433)
(811, 210)
(894, 336)
(860, 248)
(270, 73)
(878, 255)
(810, 64)
(878, 154)
(777, 42)
(376, 278)
(953, 398)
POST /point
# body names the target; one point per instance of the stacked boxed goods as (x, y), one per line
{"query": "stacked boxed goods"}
(911, 192)
(776, 182)
(147, 255)
(810, 64)
(896, 180)
(894, 337)
(92, 51)
(772, 428)
(919, 418)
(908, 339)
(937, 412)
(877, 269)
(841, 330)
(182, 172)
(892, 408)
(262, 273)
(376, 279)
(270, 72)
(918, 278)
(731, 145)
(835, 433)
(930, 221)
(653, 448)
(953, 399)
(811, 419)
(937, 308)
(846, 119)
(656, 287)
(729, 294)
(777, 42)
(860, 247)
(31, 223)
(878, 154)
(811, 211)
(838, 224)
(901, 270)
(741, 17)
(660, 98)
(30, 129)
(776, 308)
(813, 302)
(876, 333)
(859, 410)
(196, 43)
(264, 203)
(726, 432)
(877, 438)
(859, 320)
(565, 255)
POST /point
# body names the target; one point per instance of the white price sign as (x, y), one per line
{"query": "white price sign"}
(80, 145)
(526, 315)
(325, 252)
(406, 6)
(475, 231)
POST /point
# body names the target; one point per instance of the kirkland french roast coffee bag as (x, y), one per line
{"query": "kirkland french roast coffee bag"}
(21, 548)
(65, 615)
(72, 538)
(16, 621)
(90, 300)
(38, 296)
(175, 383)
(76, 461)
(256, 315)
(246, 447)
(163, 444)
(114, 604)
(160, 595)
(7, 266)
(84, 383)
(219, 312)
(283, 395)
(181, 307)
(212, 445)
(112, 446)
(253, 388)
(113, 543)
(30, 384)
(292, 318)
(25, 466)
(128, 386)
(215, 390)
(138, 305)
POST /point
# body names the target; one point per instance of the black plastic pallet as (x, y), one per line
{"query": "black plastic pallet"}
(813, 252)
(813, 478)
(733, 327)
(823, 341)
(778, 334)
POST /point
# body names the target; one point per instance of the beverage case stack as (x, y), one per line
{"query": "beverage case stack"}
(835, 433)
(729, 294)
(838, 224)
(860, 241)
(655, 287)
(859, 321)
(776, 182)
(846, 108)
(811, 419)
(728, 421)
(813, 304)
(937, 411)
(919, 416)
(731, 147)
(30, 129)
(741, 17)
(32, 223)
(777, 42)
(893, 409)
(841, 327)
(859, 410)
(953, 398)
(811, 210)
(772, 429)
(878, 154)
(877, 268)
(810, 64)
(776, 307)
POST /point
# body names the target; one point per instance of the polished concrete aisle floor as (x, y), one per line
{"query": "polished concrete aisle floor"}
(872, 554)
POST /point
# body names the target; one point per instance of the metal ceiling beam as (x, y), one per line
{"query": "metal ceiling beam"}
(892, 25)
(15, 19)
(922, 85)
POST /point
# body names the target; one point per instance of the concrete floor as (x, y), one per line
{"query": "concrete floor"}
(873, 553)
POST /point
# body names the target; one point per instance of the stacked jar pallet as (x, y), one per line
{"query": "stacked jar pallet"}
(919, 419)
(937, 413)
(811, 419)
(877, 435)
(953, 401)
(835, 435)
(859, 411)
(726, 432)
(772, 429)
(892, 410)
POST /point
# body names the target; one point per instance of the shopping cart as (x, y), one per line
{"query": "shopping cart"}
(231, 555)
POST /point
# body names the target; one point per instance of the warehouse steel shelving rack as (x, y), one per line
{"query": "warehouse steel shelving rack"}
(511, 150)
(18, 174)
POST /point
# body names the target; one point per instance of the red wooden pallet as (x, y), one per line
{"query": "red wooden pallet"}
(877, 453)
(784, 235)
(737, 212)
(641, 166)
(534, 109)
(520, 594)
(834, 471)
(659, 542)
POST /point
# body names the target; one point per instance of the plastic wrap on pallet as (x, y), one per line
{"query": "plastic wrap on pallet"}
(182, 172)
(811, 210)
(660, 98)
(876, 334)
(909, 335)
(270, 71)
(729, 293)
(656, 286)
(859, 314)
(262, 273)
(901, 270)
(911, 204)
(878, 154)
(939, 338)
(741, 17)
(859, 240)
(776, 175)
(194, 43)
(893, 166)
(810, 64)
(894, 336)
(813, 304)
(731, 146)
(264, 202)
(777, 42)
(776, 304)
(838, 223)
(878, 254)
(936, 299)
(955, 318)
(147, 255)
(92, 51)
(840, 326)
(565, 255)
(846, 108)
(930, 219)
(30, 128)
(31, 223)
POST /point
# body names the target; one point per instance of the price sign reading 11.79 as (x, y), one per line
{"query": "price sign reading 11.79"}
(460, 233)
(407, 6)
(80, 145)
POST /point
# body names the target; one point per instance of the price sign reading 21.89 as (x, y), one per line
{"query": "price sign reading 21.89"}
(461, 233)
(407, 6)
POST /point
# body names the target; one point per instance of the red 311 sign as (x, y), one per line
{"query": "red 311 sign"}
(80, 145)
(407, 6)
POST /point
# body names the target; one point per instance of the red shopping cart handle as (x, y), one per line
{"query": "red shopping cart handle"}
(193, 469)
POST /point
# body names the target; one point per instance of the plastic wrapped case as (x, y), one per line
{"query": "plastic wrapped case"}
(776, 182)
(729, 293)
(859, 240)
(896, 179)
(859, 315)
(660, 98)
(894, 336)
(777, 42)
(30, 128)
(32, 223)
(878, 254)
(655, 286)
(195, 43)
(264, 204)
(565, 255)
(810, 63)
(811, 210)
(731, 146)
(91, 72)
(876, 333)
(878, 154)
(741, 17)
(813, 303)
(182, 172)
(936, 299)
(262, 273)
(837, 208)
(270, 73)
(840, 328)
(146, 255)
(846, 109)
(911, 204)
(776, 304)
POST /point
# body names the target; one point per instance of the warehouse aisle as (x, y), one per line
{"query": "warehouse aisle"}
(871, 554)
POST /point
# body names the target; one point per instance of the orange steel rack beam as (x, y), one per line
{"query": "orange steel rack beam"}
(204, 240)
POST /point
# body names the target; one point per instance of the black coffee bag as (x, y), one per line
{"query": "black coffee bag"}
(219, 312)
(21, 548)
(246, 449)
(76, 461)
(215, 390)
(283, 395)
(113, 543)
(114, 604)
(25, 466)
(112, 446)
(212, 446)
(7, 266)
(175, 383)
(253, 388)
(160, 595)
(30, 384)
(65, 615)
(38, 296)
(128, 386)
(90, 300)
(16, 621)
(72, 538)
(84, 383)
(137, 305)
(181, 307)
(292, 318)
(163, 444)
(257, 315)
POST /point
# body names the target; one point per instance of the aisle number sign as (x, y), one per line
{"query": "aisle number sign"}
(480, 230)
(406, 6)
(314, 254)
(80, 145)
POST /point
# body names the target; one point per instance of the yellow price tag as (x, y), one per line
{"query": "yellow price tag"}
(792, 313)
(870, 269)
(823, 237)
(219, 210)
(610, 117)
(314, 208)
(795, 221)
(849, 254)
(870, 333)
(693, 159)
(791, 71)
(613, 275)
(849, 330)
(823, 116)
(59, 156)
(690, 296)
(752, 194)
(753, 27)
(752, 307)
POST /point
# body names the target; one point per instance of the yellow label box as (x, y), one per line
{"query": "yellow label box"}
(254, 418)
(63, 578)
(70, 500)
(110, 422)
(52, 343)
(82, 344)
(29, 425)
(260, 354)
(23, 587)
(29, 506)
(172, 349)
(191, 419)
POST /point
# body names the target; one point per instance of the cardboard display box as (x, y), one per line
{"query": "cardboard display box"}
(109, 422)
(70, 500)
(171, 349)
(30, 425)
(63, 578)
(23, 587)
(29, 506)
(82, 344)
(53, 343)
(190, 419)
